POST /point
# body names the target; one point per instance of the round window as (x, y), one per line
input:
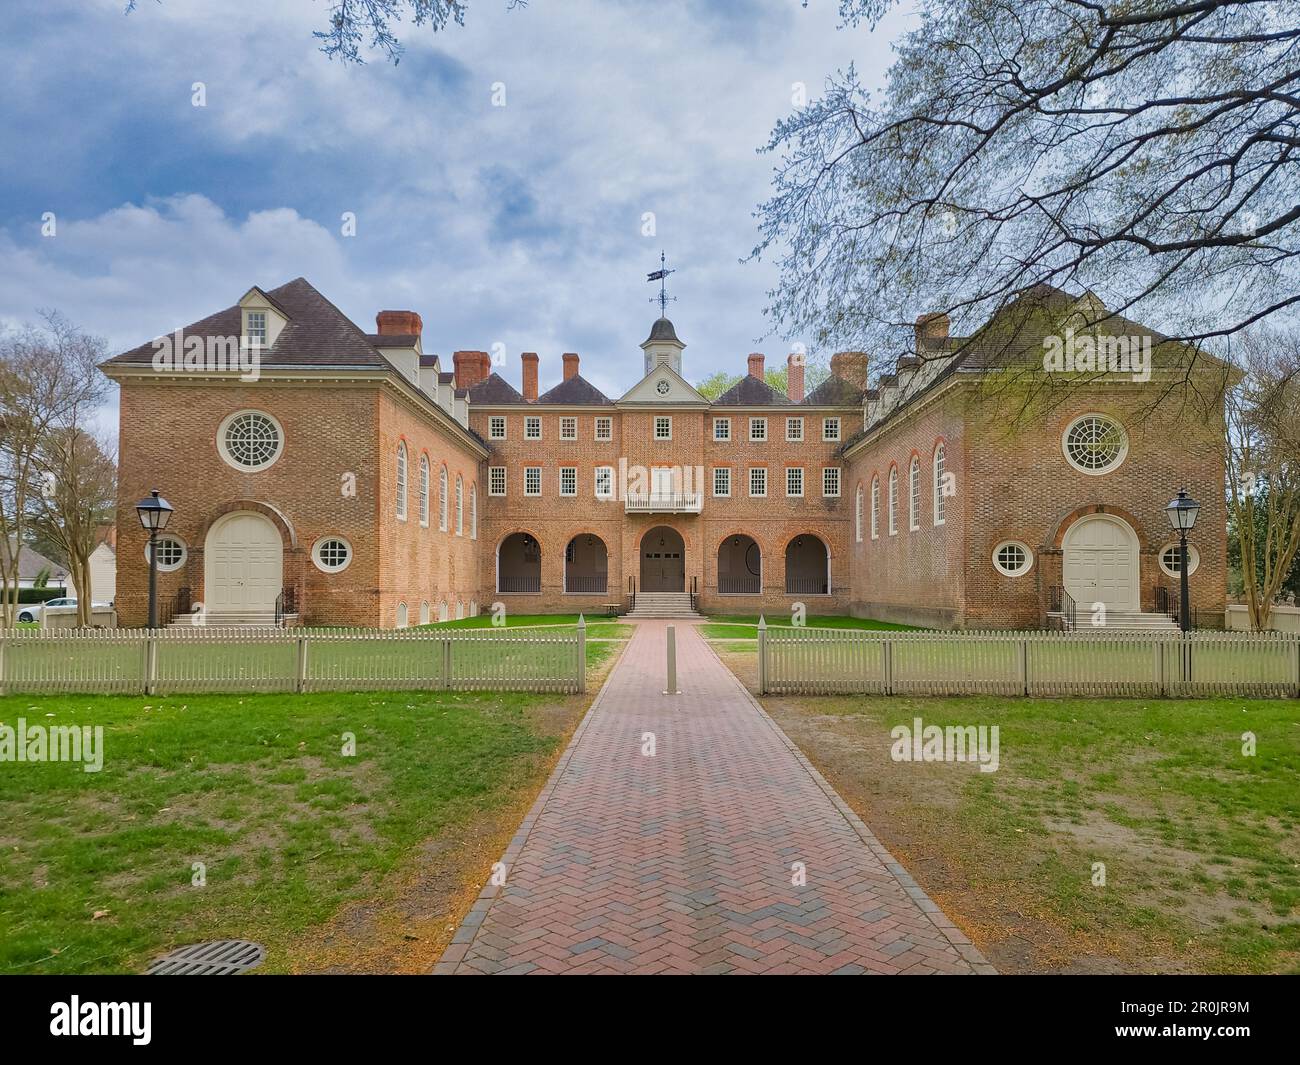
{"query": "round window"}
(1171, 559)
(250, 440)
(332, 554)
(1095, 444)
(1012, 558)
(171, 554)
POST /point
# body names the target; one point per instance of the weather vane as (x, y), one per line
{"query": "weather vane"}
(661, 275)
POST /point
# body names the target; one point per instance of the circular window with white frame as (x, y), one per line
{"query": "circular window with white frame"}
(332, 554)
(250, 440)
(1011, 558)
(1095, 444)
(1171, 560)
(171, 553)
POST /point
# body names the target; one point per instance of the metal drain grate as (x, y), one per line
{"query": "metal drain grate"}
(224, 957)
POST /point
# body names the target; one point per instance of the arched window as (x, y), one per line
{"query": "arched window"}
(442, 499)
(914, 495)
(473, 512)
(401, 481)
(875, 507)
(460, 507)
(424, 489)
(893, 500)
(402, 620)
(857, 515)
(940, 455)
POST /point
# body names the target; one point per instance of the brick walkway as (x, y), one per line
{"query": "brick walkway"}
(683, 862)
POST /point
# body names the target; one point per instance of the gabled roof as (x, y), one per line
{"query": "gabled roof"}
(495, 390)
(749, 391)
(317, 333)
(31, 562)
(576, 392)
(834, 392)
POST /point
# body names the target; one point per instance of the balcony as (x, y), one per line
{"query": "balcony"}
(664, 503)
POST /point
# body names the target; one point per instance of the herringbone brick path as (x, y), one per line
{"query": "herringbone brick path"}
(687, 860)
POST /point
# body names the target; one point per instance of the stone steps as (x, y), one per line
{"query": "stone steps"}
(672, 605)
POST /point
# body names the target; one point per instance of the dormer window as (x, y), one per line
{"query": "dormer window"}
(255, 329)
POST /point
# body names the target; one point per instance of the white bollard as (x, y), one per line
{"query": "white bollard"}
(672, 662)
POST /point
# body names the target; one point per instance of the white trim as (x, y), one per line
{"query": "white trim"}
(230, 460)
(1119, 460)
(1029, 558)
(316, 548)
(1193, 559)
(173, 567)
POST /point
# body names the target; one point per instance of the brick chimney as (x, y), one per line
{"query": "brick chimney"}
(471, 367)
(398, 323)
(756, 365)
(794, 366)
(529, 360)
(931, 330)
(570, 365)
(851, 366)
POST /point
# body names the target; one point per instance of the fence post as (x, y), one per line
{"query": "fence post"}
(1024, 665)
(582, 654)
(446, 664)
(1295, 669)
(1159, 645)
(151, 663)
(888, 660)
(671, 645)
(301, 686)
(762, 655)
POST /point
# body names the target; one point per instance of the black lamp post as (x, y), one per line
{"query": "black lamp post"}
(1182, 513)
(154, 514)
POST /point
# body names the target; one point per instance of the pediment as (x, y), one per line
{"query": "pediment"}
(662, 387)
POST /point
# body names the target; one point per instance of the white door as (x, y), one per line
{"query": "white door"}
(243, 565)
(1101, 563)
(661, 482)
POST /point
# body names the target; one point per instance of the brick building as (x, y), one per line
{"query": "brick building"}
(342, 477)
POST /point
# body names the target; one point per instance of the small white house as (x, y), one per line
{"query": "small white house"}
(31, 564)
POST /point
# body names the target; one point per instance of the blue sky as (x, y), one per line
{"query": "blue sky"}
(519, 225)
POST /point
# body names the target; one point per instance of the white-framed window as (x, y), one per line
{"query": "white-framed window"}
(568, 480)
(914, 495)
(442, 498)
(424, 612)
(256, 329)
(604, 428)
(757, 429)
(473, 511)
(758, 481)
(794, 429)
(940, 500)
(568, 428)
(424, 490)
(663, 428)
(250, 440)
(875, 507)
(1012, 558)
(1172, 562)
(532, 480)
(1094, 444)
(794, 481)
(402, 616)
(532, 427)
(830, 429)
(893, 500)
(721, 429)
(442, 611)
(172, 553)
(401, 481)
(604, 482)
(460, 506)
(831, 482)
(331, 554)
(497, 427)
(496, 480)
(857, 515)
(722, 481)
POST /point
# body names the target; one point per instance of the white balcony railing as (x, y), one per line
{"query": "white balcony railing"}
(664, 503)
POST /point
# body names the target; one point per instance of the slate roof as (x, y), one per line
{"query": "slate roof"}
(495, 390)
(749, 391)
(396, 340)
(30, 563)
(660, 331)
(576, 392)
(834, 392)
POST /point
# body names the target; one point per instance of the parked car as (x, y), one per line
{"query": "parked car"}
(33, 611)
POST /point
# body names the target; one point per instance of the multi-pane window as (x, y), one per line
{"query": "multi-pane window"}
(604, 482)
(857, 515)
(940, 501)
(794, 429)
(497, 427)
(424, 490)
(496, 480)
(568, 428)
(875, 508)
(532, 428)
(758, 481)
(831, 482)
(758, 428)
(460, 506)
(721, 428)
(442, 499)
(893, 500)
(532, 480)
(604, 428)
(663, 428)
(914, 495)
(722, 481)
(401, 482)
(568, 480)
(473, 512)
(830, 428)
(257, 328)
(794, 481)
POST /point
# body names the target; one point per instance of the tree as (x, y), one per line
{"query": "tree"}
(715, 384)
(1145, 151)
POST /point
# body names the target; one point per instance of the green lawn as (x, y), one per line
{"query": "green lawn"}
(598, 626)
(98, 867)
(1201, 844)
(745, 626)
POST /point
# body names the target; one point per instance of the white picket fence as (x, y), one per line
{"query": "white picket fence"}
(810, 661)
(295, 660)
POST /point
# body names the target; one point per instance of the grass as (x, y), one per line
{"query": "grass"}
(1201, 844)
(598, 627)
(99, 867)
(745, 626)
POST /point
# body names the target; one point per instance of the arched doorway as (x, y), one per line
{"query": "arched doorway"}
(663, 560)
(1100, 562)
(243, 565)
(519, 564)
(807, 566)
(740, 566)
(586, 565)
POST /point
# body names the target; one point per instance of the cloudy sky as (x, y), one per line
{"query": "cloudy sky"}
(519, 225)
